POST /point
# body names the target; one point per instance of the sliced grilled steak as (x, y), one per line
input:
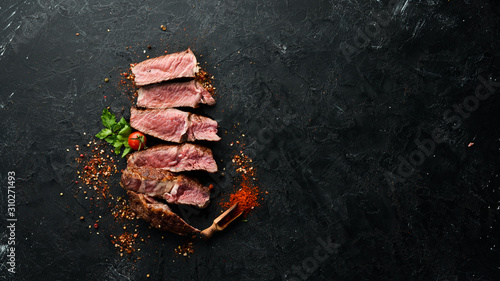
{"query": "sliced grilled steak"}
(173, 125)
(175, 188)
(180, 94)
(158, 214)
(167, 67)
(175, 158)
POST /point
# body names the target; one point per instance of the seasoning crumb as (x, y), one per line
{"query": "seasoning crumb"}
(163, 27)
(77, 34)
(247, 192)
(185, 249)
(82, 218)
(125, 243)
(147, 276)
(106, 80)
(61, 194)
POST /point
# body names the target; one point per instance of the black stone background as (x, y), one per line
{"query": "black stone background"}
(324, 130)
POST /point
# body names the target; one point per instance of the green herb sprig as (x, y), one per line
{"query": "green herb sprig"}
(116, 133)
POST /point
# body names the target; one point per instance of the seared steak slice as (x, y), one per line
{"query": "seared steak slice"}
(175, 188)
(167, 67)
(158, 214)
(173, 125)
(180, 94)
(175, 158)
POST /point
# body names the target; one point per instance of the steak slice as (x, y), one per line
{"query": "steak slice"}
(177, 94)
(173, 125)
(158, 214)
(167, 67)
(175, 158)
(174, 188)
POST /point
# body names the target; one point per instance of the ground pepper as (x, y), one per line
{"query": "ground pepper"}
(185, 250)
(247, 194)
(95, 169)
(125, 242)
(206, 80)
(98, 167)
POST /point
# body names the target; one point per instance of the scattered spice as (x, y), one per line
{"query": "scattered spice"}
(121, 211)
(97, 168)
(106, 80)
(206, 80)
(125, 242)
(247, 195)
(126, 85)
(185, 249)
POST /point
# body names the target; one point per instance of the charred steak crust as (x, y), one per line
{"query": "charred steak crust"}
(173, 125)
(175, 158)
(175, 188)
(158, 214)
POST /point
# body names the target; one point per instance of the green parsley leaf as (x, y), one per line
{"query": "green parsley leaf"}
(121, 138)
(111, 139)
(123, 122)
(104, 133)
(118, 147)
(108, 119)
(125, 131)
(126, 151)
(115, 133)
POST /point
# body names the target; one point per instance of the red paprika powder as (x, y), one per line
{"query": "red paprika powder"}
(247, 194)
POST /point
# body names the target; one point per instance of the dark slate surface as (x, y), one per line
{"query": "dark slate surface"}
(332, 105)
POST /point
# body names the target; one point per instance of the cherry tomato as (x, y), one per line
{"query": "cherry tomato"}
(137, 141)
